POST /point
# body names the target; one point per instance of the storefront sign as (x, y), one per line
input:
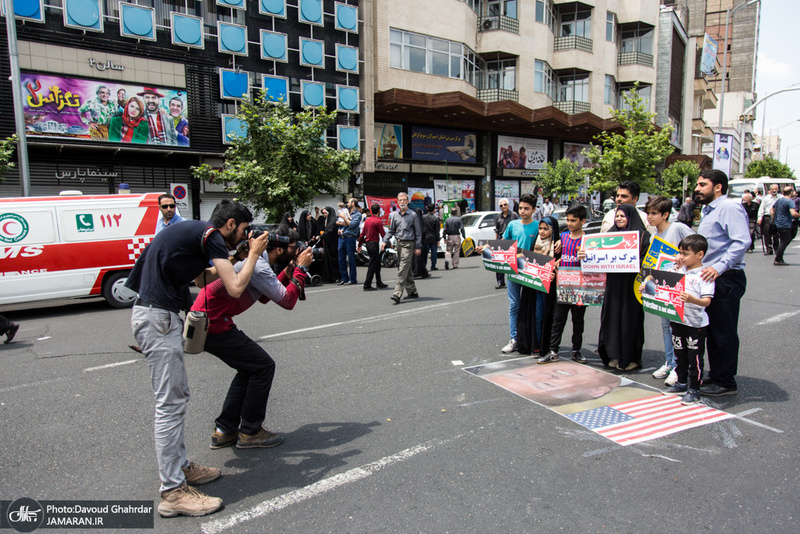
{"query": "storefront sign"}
(83, 174)
(450, 169)
(387, 166)
(101, 66)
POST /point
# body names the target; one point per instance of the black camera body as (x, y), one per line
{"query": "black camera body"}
(273, 240)
(316, 253)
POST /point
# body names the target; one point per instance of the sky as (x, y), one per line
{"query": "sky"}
(778, 67)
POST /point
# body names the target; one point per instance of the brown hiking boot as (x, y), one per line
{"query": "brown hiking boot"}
(185, 500)
(263, 438)
(197, 474)
(220, 440)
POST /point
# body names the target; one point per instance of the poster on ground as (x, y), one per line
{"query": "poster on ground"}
(614, 252)
(536, 271)
(661, 293)
(499, 255)
(661, 255)
(573, 286)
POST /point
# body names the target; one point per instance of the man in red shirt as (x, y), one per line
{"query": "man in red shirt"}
(371, 234)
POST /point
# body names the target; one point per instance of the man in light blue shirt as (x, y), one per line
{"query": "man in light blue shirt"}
(351, 224)
(726, 228)
(168, 216)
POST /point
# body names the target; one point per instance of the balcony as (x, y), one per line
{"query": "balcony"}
(498, 22)
(635, 58)
(497, 95)
(572, 107)
(573, 42)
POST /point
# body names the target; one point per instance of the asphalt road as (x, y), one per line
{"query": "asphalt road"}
(384, 430)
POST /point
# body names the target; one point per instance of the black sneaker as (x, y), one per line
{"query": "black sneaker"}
(578, 357)
(11, 332)
(446, 266)
(677, 389)
(369, 288)
(381, 286)
(692, 397)
(714, 390)
(396, 299)
(550, 357)
(412, 296)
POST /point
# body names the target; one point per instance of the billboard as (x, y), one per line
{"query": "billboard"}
(708, 60)
(388, 141)
(723, 147)
(59, 107)
(437, 144)
(521, 153)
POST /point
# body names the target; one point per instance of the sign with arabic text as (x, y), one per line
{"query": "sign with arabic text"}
(614, 252)
(661, 255)
(500, 255)
(579, 288)
(661, 293)
(536, 271)
(437, 144)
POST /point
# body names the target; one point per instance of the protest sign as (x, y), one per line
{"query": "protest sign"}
(583, 289)
(661, 293)
(615, 252)
(534, 270)
(661, 255)
(500, 255)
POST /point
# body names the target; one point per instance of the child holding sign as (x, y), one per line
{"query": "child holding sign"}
(689, 337)
(658, 210)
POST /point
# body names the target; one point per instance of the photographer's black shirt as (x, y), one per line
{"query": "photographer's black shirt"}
(175, 257)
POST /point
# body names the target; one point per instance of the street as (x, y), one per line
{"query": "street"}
(385, 431)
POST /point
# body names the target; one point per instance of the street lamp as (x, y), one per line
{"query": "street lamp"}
(731, 11)
(744, 118)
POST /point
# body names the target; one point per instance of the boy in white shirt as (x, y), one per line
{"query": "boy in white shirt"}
(689, 337)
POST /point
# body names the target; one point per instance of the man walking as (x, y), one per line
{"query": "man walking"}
(500, 223)
(351, 224)
(175, 257)
(724, 225)
(771, 241)
(431, 225)
(783, 212)
(405, 226)
(371, 235)
(751, 208)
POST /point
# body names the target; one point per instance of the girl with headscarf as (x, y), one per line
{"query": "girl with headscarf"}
(131, 126)
(288, 220)
(330, 244)
(307, 228)
(622, 317)
(535, 319)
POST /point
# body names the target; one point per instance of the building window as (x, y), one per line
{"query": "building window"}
(637, 39)
(610, 91)
(546, 14)
(544, 79)
(501, 75)
(507, 8)
(611, 23)
(473, 4)
(573, 87)
(576, 23)
(429, 55)
(643, 92)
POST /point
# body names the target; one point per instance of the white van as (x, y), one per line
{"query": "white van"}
(73, 246)
(738, 186)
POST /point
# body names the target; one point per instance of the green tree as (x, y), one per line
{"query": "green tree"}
(768, 167)
(632, 154)
(563, 178)
(283, 162)
(7, 147)
(672, 178)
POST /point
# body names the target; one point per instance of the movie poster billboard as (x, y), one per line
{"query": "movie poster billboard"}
(536, 271)
(661, 255)
(661, 293)
(388, 141)
(614, 252)
(573, 286)
(60, 107)
(499, 255)
(437, 144)
(575, 153)
(723, 147)
(521, 153)
(387, 205)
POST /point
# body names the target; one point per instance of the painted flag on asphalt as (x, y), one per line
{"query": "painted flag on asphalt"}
(632, 422)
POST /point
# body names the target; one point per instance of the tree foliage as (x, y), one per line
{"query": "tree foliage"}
(563, 178)
(283, 162)
(632, 154)
(7, 147)
(672, 178)
(768, 167)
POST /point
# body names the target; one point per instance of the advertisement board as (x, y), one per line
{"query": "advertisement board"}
(437, 144)
(521, 153)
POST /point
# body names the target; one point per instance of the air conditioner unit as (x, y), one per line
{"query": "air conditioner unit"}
(490, 24)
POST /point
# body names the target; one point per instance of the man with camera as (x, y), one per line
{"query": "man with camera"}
(245, 405)
(176, 256)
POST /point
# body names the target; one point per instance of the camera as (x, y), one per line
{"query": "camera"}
(316, 253)
(273, 240)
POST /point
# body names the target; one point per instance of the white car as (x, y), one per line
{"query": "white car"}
(477, 225)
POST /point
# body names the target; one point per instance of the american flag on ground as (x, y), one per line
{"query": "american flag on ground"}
(631, 422)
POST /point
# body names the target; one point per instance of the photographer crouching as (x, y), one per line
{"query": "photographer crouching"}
(245, 406)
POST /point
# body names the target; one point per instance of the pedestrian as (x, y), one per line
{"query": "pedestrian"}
(431, 224)
(500, 222)
(404, 225)
(349, 223)
(686, 212)
(371, 235)
(770, 236)
(724, 225)
(330, 246)
(751, 207)
(167, 206)
(421, 261)
(8, 329)
(452, 233)
(783, 213)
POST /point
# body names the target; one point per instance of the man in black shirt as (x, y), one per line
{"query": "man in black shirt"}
(176, 256)
(430, 242)
(751, 208)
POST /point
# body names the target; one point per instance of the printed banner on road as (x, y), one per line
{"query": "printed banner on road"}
(500, 255)
(535, 271)
(614, 252)
(661, 293)
(614, 407)
(661, 255)
(579, 288)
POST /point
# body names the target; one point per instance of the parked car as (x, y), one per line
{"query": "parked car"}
(479, 224)
(591, 226)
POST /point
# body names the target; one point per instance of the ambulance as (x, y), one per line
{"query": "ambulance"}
(73, 245)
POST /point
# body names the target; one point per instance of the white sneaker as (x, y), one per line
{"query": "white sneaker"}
(511, 347)
(662, 372)
(672, 379)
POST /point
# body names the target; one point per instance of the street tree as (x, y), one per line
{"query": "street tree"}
(672, 177)
(7, 147)
(632, 154)
(283, 161)
(768, 167)
(563, 178)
